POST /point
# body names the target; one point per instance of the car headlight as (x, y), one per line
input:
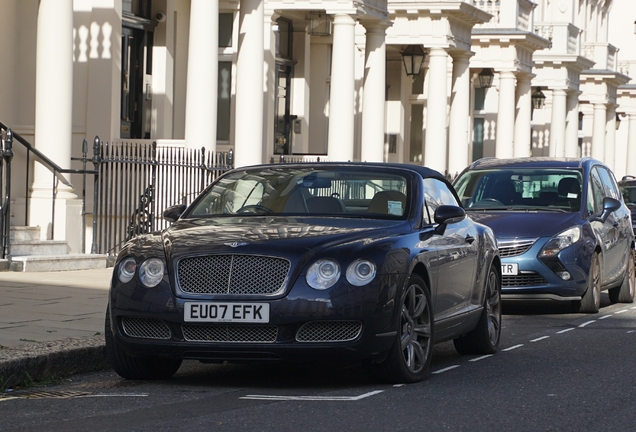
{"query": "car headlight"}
(151, 272)
(323, 274)
(560, 241)
(361, 272)
(127, 269)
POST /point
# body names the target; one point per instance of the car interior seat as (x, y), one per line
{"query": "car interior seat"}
(569, 192)
(325, 205)
(381, 203)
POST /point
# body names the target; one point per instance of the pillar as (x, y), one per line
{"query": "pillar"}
(610, 137)
(522, 134)
(598, 132)
(458, 134)
(249, 84)
(202, 79)
(373, 98)
(341, 96)
(557, 125)
(572, 125)
(631, 145)
(436, 105)
(505, 115)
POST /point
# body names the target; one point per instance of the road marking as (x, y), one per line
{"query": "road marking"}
(113, 395)
(445, 369)
(587, 323)
(399, 385)
(633, 307)
(631, 331)
(604, 316)
(620, 311)
(480, 358)
(311, 398)
(538, 339)
(513, 347)
(566, 330)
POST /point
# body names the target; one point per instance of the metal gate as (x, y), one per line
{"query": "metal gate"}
(138, 181)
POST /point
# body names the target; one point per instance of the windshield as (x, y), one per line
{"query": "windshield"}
(628, 190)
(520, 189)
(307, 191)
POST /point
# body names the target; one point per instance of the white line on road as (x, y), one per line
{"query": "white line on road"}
(538, 339)
(513, 347)
(586, 323)
(311, 398)
(566, 330)
(620, 311)
(604, 317)
(112, 395)
(445, 369)
(480, 358)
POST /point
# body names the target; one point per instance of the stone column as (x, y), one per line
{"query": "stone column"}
(435, 137)
(505, 115)
(522, 137)
(631, 145)
(202, 79)
(572, 125)
(53, 115)
(557, 125)
(598, 131)
(249, 84)
(341, 96)
(373, 98)
(458, 134)
(610, 137)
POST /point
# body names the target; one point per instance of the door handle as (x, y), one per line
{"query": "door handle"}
(469, 239)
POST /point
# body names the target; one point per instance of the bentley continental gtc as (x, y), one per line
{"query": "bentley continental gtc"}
(368, 263)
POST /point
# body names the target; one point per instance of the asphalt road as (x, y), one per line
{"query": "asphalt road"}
(555, 372)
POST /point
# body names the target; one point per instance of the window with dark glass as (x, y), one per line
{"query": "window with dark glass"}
(284, 39)
(226, 23)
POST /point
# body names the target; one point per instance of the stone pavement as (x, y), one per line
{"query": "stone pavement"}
(52, 324)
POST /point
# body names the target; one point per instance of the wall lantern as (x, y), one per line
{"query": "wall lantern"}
(538, 99)
(319, 24)
(485, 78)
(413, 57)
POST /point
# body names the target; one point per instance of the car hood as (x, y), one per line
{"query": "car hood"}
(517, 224)
(269, 234)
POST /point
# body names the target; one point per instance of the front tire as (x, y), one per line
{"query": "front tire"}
(410, 356)
(591, 301)
(484, 338)
(625, 292)
(136, 368)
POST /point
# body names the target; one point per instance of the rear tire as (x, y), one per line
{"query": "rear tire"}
(410, 357)
(625, 292)
(591, 301)
(136, 368)
(484, 338)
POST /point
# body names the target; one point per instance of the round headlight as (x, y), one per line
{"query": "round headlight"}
(127, 269)
(323, 274)
(360, 272)
(151, 272)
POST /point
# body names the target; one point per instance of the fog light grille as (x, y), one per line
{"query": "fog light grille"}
(230, 333)
(523, 279)
(329, 331)
(146, 328)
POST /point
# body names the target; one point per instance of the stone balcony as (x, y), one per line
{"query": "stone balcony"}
(602, 53)
(507, 14)
(565, 37)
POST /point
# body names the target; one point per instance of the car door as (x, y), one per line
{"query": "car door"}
(457, 255)
(608, 232)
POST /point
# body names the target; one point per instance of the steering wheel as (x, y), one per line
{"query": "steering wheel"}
(254, 208)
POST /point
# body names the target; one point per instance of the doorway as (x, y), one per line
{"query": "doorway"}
(282, 117)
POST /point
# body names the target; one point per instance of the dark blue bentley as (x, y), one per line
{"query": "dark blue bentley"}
(364, 262)
(563, 230)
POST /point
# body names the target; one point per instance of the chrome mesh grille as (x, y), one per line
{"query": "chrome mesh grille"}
(523, 279)
(232, 274)
(515, 247)
(146, 328)
(230, 333)
(329, 331)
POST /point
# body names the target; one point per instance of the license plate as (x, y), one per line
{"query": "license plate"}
(226, 312)
(509, 269)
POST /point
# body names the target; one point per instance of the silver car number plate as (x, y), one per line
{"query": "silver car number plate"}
(226, 312)
(509, 269)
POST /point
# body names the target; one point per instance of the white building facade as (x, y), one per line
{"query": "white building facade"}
(310, 79)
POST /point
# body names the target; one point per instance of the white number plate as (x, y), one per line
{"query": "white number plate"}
(226, 312)
(509, 269)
